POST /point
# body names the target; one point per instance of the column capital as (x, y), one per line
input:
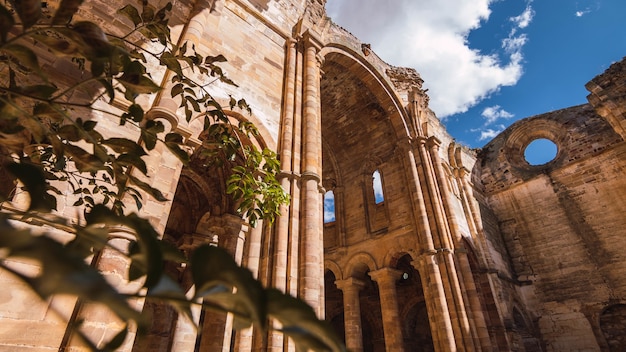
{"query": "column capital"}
(384, 275)
(350, 283)
(433, 142)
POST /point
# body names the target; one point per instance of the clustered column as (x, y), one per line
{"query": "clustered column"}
(312, 265)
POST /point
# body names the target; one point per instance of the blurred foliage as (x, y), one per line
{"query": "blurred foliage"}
(50, 142)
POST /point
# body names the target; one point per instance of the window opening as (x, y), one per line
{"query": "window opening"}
(540, 151)
(378, 187)
(329, 207)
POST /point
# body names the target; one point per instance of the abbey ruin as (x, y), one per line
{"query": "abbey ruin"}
(464, 250)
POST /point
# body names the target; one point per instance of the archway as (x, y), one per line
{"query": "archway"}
(416, 329)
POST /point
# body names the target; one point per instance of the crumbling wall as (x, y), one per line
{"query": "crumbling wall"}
(561, 223)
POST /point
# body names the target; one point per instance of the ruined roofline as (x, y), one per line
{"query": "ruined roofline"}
(404, 79)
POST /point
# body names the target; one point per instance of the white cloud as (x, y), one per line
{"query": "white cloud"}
(432, 37)
(329, 207)
(582, 13)
(494, 113)
(522, 21)
(489, 133)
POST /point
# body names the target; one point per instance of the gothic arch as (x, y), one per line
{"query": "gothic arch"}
(375, 82)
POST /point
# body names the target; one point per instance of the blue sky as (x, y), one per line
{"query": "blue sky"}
(489, 63)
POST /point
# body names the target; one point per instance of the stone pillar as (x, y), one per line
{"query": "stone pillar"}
(352, 312)
(436, 303)
(386, 279)
(425, 238)
(312, 248)
(244, 339)
(457, 281)
(285, 246)
(282, 224)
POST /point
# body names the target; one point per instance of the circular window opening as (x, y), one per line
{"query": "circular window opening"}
(540, 151)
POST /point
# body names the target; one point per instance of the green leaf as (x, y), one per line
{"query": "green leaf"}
(88, 240)
(138, 83)
(178, 151)
(132, 160)
(168, 289)
(106, 83)
(89, 125)
(84, 161)
(131, 13)
(176, 90)
(96, 43)
(162, 13)
(70, 133)
(147, 12)
(29, 11)
(299, 322)
(174, 137)
(123, 145)
(25, 56)
(66, 11)
(171, 62)
(155, 193)
(100, 214)
(150, 131)
(215, 272)
(63, 272)
(214, 59)
(136, 111)
(35, 183)
(150, 256)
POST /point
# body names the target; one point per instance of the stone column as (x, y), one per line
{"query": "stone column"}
(352, 312)
(457, 281)
(312, 248)
(285, 244)
(436, 304)
(244, 339)
(386, 279)
(282, 224)
(425, 237)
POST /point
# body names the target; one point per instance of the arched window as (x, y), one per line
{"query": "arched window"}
(377, 184)
(329, 207)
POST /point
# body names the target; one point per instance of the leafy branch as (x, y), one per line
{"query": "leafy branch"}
(50, 142)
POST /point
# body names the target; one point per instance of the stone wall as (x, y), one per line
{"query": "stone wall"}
(561, 223)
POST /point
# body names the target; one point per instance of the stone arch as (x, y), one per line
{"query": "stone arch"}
(376, 83)
(334, 267)
(359, 265)
(398, 251)
(415, 322)
(334, 300)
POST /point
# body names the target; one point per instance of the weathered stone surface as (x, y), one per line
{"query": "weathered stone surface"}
(467, 250)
